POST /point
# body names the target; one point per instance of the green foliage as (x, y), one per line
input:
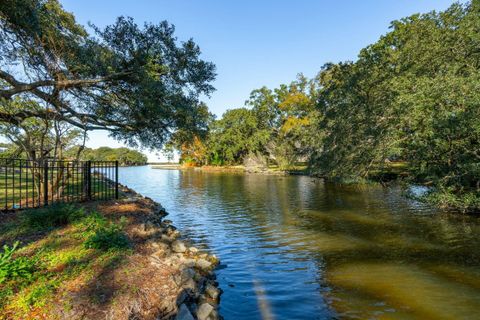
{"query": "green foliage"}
(37, 294)
(216, 159)
(136, 81)
(105, 235)
(414, 96)
(236, 135)
(278, 125)
(449, 198)
(28, 282)
(12, 268)
(53, 216)
(124, 156)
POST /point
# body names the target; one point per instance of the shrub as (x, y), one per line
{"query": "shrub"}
(449, 199)
(108, 236)
(21, 267)
(52, 216)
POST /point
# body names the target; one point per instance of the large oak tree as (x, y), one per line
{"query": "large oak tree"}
(138, 82)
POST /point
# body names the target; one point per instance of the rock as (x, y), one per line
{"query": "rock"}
(184, 276)
(204, 311)
(162, 250)
(166, 238)
(184, 313)
(191, 285)
(202, 299)
(174, 234)
(182, 297)
(149, 225)
(188, 262)
(178, 246)
(193, 250)
(159, 246)
(162, 212)
(214, 315)
(188, 273)
(212, 292)
(199, 278)
(203, 264)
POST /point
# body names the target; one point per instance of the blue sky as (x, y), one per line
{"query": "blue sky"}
(262, 42)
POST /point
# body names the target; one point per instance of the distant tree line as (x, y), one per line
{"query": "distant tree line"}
(124, 156)
(411, 97)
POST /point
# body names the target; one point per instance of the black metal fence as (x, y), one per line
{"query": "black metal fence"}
(30, 184)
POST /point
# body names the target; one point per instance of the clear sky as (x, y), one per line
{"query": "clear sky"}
(259, 42)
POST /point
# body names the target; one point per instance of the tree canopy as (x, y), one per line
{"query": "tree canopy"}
(138, 82)
(413, 96)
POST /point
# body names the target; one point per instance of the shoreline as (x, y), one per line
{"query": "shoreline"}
(384, 179)
(143, 267)
(195, 280)
(231, 169)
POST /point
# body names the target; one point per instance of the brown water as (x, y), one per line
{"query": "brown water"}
(298, 248)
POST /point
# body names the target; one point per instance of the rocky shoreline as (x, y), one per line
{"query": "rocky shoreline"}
(198, 295)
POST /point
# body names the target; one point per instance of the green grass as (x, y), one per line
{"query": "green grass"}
(56, 215)
(18, 190)
(71, 248)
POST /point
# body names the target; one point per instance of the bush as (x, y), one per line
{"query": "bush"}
(108, 236)
(52, 216)
(449, 199)
(21, 267)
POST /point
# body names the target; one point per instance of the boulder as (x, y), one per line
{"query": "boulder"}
(204, 311)
(212, 291)
(193, 250)
(188, 262)
(187, 274)
(179, 246)
(191, 285)
(203, 264)
(184, 313)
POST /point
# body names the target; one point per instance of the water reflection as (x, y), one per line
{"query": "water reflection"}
(299, 248)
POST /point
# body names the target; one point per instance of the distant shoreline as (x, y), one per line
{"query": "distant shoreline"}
(232, 169)
(166, 166)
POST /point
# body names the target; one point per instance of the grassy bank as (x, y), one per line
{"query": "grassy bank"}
(50, 252)
(103, 259)
(19, 190)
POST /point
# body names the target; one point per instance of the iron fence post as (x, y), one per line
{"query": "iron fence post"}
(89, 179)
(45, 183)
(116, 179)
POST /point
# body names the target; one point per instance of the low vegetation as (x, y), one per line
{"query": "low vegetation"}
(53, 249)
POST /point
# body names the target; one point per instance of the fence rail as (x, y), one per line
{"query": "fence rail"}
(30, 184)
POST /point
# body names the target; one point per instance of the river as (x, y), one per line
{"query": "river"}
(294, 247)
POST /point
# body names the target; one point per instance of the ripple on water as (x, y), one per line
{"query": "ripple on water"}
(299, 248)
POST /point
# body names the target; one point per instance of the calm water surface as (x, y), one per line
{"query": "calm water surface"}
(298, 248)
